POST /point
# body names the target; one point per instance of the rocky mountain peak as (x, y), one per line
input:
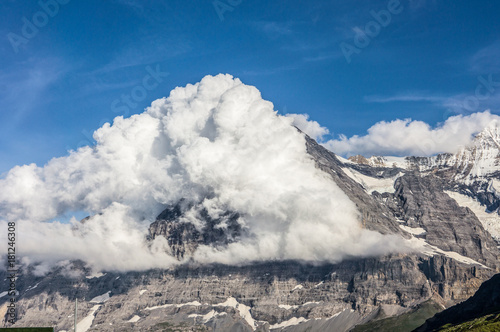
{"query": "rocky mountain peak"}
(372, 161)
(482, 157)
(490, 134)
(488, 140)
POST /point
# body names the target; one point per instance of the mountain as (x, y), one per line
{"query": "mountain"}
(456, 255)
(213, 213)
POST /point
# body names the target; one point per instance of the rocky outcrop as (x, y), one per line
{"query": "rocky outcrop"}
(375, 216)
(486, 301)
(421, 202)
(374, 161)
(184, 237)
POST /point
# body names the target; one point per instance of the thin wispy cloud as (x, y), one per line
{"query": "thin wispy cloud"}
(23, 86)
(412, 96)
(461, 103)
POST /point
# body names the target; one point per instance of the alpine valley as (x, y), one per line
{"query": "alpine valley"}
(444, 208)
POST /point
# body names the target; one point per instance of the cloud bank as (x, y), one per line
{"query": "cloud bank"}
(413, 138)
(217, 143)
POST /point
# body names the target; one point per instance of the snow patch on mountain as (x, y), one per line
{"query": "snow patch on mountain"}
(292, 321)
(494, 186)
(287, 306)
(483, 154)
(413, 230)
(85, 324)
(241, 308)
(427, 249)
(134, 319)
(489, 220)
(180, 305)
(208, 316)
(371, 184)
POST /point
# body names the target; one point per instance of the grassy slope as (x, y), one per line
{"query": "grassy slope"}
(483, 324)
(402, 323)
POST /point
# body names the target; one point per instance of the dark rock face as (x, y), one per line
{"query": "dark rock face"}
(485, 301)
(375, 216)
(184, 237)
(421, 202)
(481, 191)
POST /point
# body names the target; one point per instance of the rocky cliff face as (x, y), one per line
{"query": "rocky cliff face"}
(420, 201)
(184, 237)
(486, 301)
(411, 201)
(254, 297)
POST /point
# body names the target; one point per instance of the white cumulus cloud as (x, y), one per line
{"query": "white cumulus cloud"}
(413, 138)
(217, 143)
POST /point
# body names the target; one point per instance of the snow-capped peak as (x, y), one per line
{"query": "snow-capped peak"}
(482, 157)
(478, 160)
(490, 136)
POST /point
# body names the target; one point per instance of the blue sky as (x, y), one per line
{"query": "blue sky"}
(74, 71)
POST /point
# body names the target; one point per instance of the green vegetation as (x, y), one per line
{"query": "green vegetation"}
(483, 324)
(402, 323)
